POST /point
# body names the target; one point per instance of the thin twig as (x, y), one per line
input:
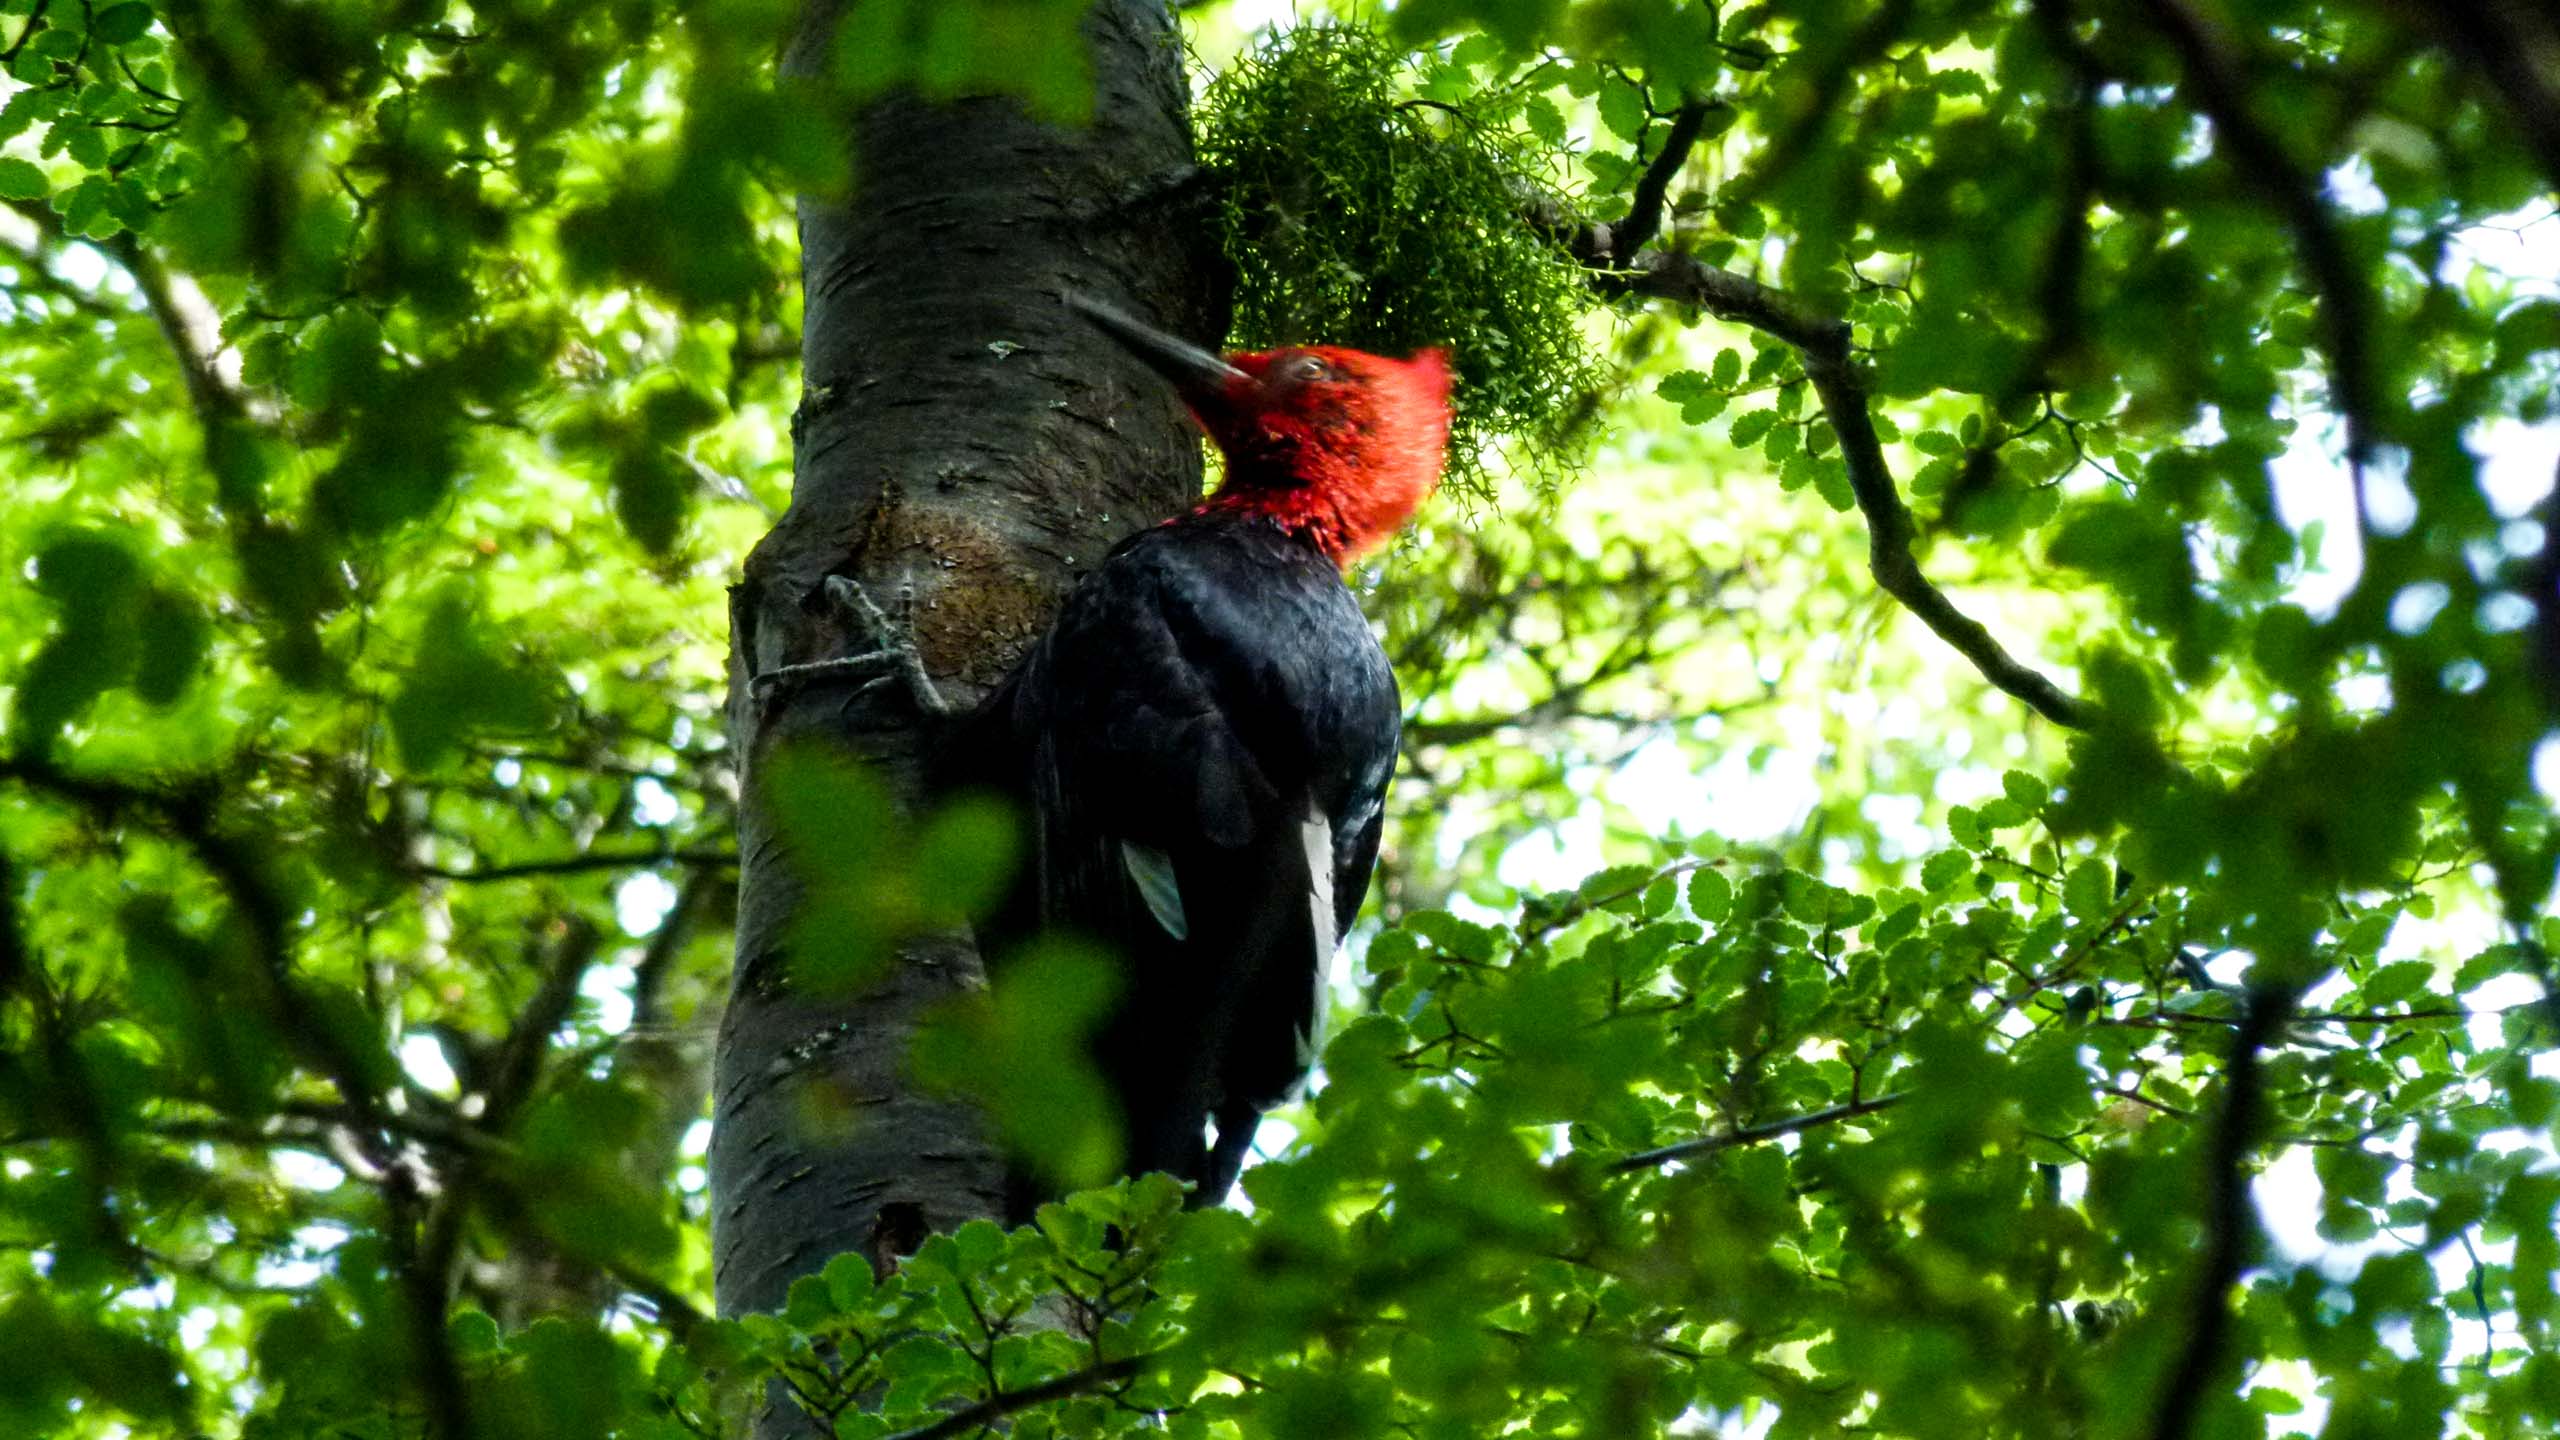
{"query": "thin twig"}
(582, 864)
(1754, 1134)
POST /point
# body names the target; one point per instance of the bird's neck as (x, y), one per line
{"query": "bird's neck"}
(1321, 520)
(1345, 504)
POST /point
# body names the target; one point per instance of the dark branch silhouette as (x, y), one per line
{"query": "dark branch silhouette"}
(996, 1407)
(2226, 1215)
(2221, 90)
(1644, 209)
(1823, 341)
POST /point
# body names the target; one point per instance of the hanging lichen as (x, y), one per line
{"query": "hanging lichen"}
(1357, 212)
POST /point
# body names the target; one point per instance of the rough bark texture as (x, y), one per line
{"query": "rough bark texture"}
(963, 433)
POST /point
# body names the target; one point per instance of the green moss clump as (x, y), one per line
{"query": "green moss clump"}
(1358, 214)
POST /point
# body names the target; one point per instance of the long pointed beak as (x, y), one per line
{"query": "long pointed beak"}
(1199, 374)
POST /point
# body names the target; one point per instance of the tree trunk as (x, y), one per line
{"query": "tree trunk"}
(963, 433)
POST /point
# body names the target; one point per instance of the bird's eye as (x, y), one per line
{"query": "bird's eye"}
(1309, 367)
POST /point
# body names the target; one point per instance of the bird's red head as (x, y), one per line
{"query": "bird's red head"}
(1338, 445)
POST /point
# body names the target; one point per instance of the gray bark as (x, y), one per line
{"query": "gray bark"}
(963, 433)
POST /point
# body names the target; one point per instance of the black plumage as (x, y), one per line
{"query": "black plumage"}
(1203, 741)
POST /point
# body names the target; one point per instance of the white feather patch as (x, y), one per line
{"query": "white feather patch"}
(1315, 833)
(1151, 870)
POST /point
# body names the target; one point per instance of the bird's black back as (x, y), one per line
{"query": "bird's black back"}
(1211, 698)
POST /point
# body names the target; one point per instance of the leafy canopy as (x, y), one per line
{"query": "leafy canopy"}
(391, 389)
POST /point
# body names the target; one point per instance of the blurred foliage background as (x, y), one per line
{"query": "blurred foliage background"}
(1982, 872)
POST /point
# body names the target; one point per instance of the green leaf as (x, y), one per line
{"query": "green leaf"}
(1904, 920)
(2001, 813)
(121, 24)
(2088, 892)
(849, 1281)
(1544, 120)
(652, 492)
(1831, 482)
(460, 686)
(21, 180)
(174, 639)
(1622, 109)
(1710, 895)
(1697, 398)
(2397, 982)
(809, 1303)
(1462, 938)
(474, 1334)
(1024, 1055)
(2026, 790)
(1945, 868)
(1965, 826)
(967, 856)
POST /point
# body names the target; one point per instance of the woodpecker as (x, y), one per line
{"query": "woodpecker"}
(1202, 740)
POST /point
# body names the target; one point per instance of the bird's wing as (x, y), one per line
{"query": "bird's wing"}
(1196, 719)
(1136, 759)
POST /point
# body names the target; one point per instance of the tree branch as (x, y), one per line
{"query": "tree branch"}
(214, 401)
(2513, 44)
(1823, 342)
(1826, 86)
(2222, 91)
(1753, 1134)
(1889, 535)
(1644, 209)
(519, 1061)
(2067, 252)
(186, 812)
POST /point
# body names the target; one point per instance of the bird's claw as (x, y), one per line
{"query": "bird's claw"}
(892, 658)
